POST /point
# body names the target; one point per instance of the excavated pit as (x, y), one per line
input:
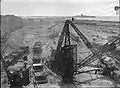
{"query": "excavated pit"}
(40, 30)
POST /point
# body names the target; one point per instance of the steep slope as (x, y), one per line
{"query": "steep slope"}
(9, 24)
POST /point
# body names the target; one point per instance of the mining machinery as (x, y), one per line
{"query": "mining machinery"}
(37, 66)
(64, 63)
(40, 70)
(65, 60)
(17, 77)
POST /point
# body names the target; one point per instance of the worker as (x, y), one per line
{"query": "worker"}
(72, 19)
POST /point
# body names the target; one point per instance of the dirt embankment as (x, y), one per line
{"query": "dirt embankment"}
(9, 24)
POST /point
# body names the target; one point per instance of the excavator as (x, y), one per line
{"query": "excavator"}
(65, 58)
(17, 76)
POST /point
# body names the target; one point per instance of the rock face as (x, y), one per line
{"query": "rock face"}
(9, 40)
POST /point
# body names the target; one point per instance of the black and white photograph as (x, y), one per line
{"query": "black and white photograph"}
(60, 43)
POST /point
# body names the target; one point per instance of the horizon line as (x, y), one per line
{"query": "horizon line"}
(55, 15)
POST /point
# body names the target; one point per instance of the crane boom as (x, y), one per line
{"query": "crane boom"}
(97, 53)
(81, 35)
(91, 58)
(65, 31)
(60, 41)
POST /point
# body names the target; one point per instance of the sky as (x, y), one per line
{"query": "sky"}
(59, 7)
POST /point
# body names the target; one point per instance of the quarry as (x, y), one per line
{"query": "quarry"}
(92, 45)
